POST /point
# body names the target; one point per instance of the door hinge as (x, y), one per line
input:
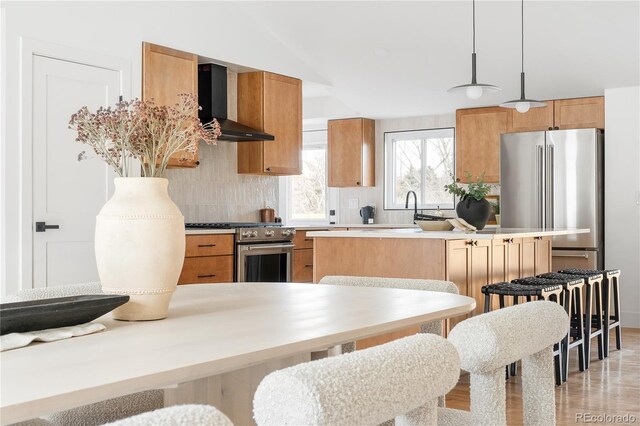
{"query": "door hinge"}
(120, 98)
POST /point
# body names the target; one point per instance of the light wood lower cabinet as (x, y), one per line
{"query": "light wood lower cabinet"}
(469, 267)
(303, 266)
(543, 247)
(209, 269)
(507, 259)
(208, 259)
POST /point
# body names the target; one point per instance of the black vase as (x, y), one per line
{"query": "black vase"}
(475, 212)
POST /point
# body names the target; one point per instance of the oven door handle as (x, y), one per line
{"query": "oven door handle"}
(270, 246)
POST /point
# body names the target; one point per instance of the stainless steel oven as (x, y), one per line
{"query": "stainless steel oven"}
(264, 254)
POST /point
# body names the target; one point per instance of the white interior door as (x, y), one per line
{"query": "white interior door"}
(67, 192)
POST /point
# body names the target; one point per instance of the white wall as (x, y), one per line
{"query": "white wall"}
(118, 29)
(622, 195)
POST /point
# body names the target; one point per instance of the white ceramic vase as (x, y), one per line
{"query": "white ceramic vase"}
(140, 242)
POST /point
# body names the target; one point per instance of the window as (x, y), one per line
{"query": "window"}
(305, 195)
(420, 161)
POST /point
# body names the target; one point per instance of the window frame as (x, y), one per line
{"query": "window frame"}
(285, 189)
(388, 178)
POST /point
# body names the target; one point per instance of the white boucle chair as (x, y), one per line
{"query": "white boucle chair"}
(401, 379)
(434, 327)
(488, 342)
(178, 415)
(104, 411)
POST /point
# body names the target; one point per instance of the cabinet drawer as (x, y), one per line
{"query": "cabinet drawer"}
(209, 245)
(210, 269)
(301, 241)
(303, 266)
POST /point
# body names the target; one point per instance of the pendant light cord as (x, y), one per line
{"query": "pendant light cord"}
(474, 26)
(522, 35)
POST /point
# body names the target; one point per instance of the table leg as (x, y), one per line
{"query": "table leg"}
(232, 392)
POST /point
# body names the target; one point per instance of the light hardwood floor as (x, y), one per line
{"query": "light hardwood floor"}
(611, 386)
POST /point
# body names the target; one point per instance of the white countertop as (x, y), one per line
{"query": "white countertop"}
(209, 231)
(357, 225)
(485, 234)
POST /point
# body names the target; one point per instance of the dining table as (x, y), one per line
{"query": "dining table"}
(216, 345)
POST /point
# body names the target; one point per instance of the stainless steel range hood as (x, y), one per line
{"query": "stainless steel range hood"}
(212, 97)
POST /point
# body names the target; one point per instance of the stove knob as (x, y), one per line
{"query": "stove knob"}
(254, 233)
(246, 234)
(293, 232)
(269, 233)
(286, 232)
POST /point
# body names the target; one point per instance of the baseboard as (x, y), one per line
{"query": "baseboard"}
(630, 319)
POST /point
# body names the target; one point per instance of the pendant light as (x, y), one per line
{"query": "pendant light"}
(475, 89)
(523, 104)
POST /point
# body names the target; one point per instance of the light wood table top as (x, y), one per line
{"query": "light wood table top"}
(211, 329)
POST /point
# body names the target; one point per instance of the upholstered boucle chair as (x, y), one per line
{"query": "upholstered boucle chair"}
(488, 342)
(434, 327)
(104, 411)
(401, 379)
(179, 415)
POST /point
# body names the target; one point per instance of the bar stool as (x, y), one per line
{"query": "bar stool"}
(592, 303)
(540, 292)
(611, 301)
(572, 303)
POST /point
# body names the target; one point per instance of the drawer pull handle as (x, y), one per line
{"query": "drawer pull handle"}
(206, 245)
(207, 276)
(308, 239)
(308, 266)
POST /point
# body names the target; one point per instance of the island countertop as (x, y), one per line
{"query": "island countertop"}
(485, 234)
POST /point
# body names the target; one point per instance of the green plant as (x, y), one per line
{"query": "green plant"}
(476, 189)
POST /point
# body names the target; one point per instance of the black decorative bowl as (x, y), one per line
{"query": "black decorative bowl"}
(41, 314)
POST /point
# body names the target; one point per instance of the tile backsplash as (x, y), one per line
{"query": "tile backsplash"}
(215, 192)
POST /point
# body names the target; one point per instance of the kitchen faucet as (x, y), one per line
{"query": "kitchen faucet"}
(415, 203)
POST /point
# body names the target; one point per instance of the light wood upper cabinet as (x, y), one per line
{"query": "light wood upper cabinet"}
(478, 130)
(166, 73)
(351, 152)
(478, 133)
(581, 113)
(271, 103)
(533, 120)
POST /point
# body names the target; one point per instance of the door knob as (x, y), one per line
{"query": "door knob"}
(42, 226)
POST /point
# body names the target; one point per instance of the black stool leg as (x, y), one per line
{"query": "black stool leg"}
(587, 324)
(598, 319)
(606, 301)
(567, 297)
(615, 282)
(514, 365)
(577, 307)
(487, 303)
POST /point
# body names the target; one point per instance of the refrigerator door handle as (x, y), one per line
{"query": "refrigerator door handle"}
(540, 165)
(550, 186)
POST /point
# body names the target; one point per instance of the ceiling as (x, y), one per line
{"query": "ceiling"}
(397, 59)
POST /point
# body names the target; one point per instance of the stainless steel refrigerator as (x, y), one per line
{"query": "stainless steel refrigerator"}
(555, 179)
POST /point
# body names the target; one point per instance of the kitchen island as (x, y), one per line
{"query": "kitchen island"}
(469, 260)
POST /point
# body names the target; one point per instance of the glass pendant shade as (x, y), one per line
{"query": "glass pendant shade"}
(474, 90)
(523, 104)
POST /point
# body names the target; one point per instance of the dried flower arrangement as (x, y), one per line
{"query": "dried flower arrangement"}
(144, 131)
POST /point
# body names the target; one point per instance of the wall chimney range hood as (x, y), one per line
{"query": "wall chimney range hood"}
(212, 97)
